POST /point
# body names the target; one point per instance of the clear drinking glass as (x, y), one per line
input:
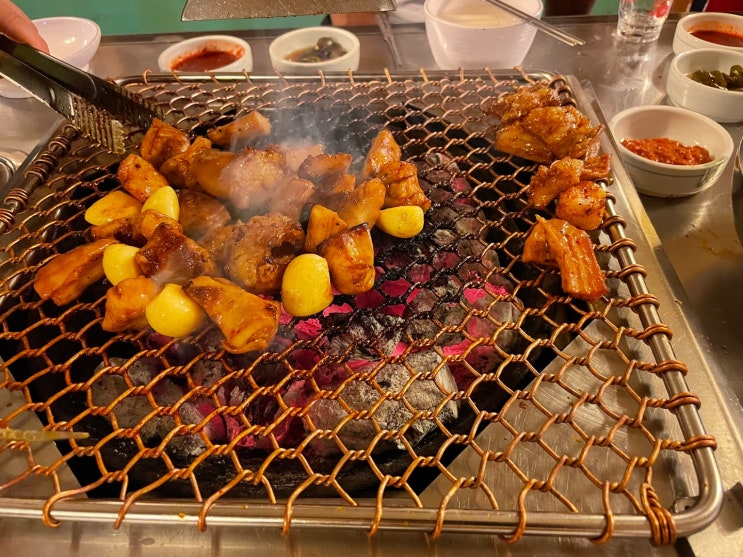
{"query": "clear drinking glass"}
(642, 20)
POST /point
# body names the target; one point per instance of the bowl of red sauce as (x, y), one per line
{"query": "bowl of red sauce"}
(207, 54)
(708, 30)
(670, 151)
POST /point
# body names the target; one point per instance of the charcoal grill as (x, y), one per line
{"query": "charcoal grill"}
(580, 423)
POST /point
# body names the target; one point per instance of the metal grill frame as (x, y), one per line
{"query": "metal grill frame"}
(657, 523)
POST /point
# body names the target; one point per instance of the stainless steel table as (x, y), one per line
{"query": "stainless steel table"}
(693, 239)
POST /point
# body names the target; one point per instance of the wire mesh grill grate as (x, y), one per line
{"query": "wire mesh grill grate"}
(466, 380)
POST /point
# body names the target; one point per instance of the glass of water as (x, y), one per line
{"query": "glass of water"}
(642, 20)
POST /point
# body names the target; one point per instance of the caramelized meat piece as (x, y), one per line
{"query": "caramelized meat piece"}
(64, 278)
(596, 167)
(333, 193)
(364, 204)
(248, 322)
(324, 168)
(513, 138)
(139, 177)
(200, 213)
(241, 130)
(571, 248)
(582, 205)
(294, 195)
(295, 155)
(384, 149)
(549, 181)
(536, 249)
(171, 256)
(162, 141)
(252, 178)
(256, 253)
(126, 303)
(401, 180)
(323, 223)
(350, 256)
(207, 167)
(564, 129)
(177, 169)
(134, 231)
(517, 104)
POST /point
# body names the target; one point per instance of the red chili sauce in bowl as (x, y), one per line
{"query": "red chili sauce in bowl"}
(668, 151)
(722, 37)
(205, 60)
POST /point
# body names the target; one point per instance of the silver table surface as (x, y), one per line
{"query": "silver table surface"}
(694, 240)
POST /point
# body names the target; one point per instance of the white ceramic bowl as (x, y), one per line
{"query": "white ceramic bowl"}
(208, 45)
(290, 42)
(719, 104)
(670, 180)
(472, 34)
(73, 40)
(683, 39)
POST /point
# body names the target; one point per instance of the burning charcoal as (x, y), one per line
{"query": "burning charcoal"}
(371, 334)
(425, 395)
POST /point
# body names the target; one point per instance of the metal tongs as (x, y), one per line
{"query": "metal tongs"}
(98, 108)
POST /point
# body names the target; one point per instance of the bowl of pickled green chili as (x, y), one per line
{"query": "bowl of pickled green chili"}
(708, 81)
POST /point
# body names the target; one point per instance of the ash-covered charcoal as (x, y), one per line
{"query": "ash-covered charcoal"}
(359, 399)
(368, 334)
(131, 411)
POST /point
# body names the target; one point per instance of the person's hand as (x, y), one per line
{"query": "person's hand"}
(18, 26)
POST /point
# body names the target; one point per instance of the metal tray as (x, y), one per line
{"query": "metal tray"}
(600, 442)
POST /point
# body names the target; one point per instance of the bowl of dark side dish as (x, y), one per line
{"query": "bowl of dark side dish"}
(208, 53)
(709, 30)
(678, 126)
(708, 81)
(302, 51)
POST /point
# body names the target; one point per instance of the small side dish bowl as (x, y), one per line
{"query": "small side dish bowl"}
(208, 53)
(689, 128)
(74, 40)
(709, 30)
(472, 34)
(288, 44)
(722, 105)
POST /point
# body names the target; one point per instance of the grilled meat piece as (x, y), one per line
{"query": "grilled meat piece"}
(322, 224)
(134, 231)
(255, 254)
(207, 166)
(139, 177)
(240, 131)
(294, 195)
(200, 213)
(253, 178)
(549, 181)
(295, 155)
(596, 167)
(64, 278)
(177, 169)
(126, 303)
(171, 256)
(162, 141)
(350, 256)
(517, 104)
(515, 139)
(248, 322)
(566, 130)
(401, 180)
(384, 149)
(324, 168)
(572, 249)
(582, 205)
(364, 203)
